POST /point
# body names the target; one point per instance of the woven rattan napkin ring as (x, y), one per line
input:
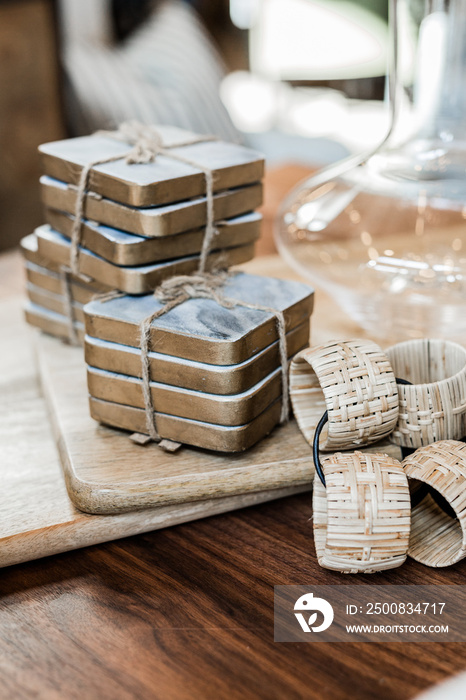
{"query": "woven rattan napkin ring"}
(362, 511)
(354, 382)
(433, 402)
(437, 477)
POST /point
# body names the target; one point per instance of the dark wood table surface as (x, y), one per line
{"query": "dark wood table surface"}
(187, 613)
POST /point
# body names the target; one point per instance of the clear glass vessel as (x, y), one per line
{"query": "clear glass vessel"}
(385, 233)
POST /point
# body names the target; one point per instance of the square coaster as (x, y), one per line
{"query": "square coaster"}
(128, 249)
(132, 280)
(152, 221)
(162, 181)
(201, 329)
(199, 376)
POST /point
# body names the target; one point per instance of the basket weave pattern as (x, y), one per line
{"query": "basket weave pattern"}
(358, 385)
(437, 539)
(362, 516)
(434, 407)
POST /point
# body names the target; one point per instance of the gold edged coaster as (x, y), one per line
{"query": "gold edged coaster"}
(51, 281)
(151, 221)
(54, 302)
(200, 329)
(199, 376)
(162, 181)
(29, 247)
(43, 272)
(208, 436)
(51, 322)
(219, 409)
(53, 293)
(127, 249)
(132, 280)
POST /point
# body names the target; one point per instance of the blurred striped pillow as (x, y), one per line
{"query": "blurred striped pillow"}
(167, 72)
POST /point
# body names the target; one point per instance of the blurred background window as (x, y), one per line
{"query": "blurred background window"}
(301, 80)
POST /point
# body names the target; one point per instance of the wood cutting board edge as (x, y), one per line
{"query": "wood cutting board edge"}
(94, 498)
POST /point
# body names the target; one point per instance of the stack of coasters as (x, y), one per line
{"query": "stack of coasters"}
(55, 297)
(145, 222)
(215, 372)
(140, 222)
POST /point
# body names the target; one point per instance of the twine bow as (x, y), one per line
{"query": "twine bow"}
(145, 140)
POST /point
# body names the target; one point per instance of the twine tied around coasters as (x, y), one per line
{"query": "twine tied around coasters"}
(145, 144)
(201, 285)
(65, 279)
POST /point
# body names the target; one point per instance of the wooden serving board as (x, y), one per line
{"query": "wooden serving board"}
(106, 473)
(37, 518)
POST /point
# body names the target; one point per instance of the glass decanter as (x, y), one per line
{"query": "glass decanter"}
(385, 233)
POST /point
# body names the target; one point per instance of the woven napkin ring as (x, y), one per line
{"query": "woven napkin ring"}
(433, 405)
(362, 511)
(353, 380)
(437, 478)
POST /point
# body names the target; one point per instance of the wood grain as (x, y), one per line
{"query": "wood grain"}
(36, 516)
(186, 612)
(106, 473)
